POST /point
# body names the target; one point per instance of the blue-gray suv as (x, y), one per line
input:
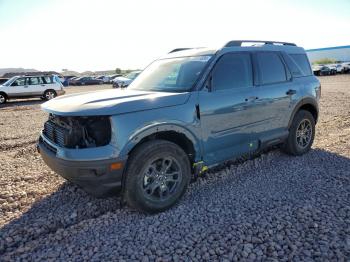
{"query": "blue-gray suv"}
(186, 112)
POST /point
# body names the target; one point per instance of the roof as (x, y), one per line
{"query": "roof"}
(237, 45)
(328, 48)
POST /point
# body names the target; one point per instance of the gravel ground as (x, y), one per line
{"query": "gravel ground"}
(274, 207)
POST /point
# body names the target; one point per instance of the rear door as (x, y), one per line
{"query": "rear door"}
(34, 86)
(274, 95)
(226, 109)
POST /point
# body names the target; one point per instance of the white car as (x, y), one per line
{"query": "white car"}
(44, 86)
(340, 68)
(346, 66)
(124, 81)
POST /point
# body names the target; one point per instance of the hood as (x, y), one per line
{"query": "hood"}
(112, 102)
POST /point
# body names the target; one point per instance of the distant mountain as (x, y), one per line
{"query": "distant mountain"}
(3, 71)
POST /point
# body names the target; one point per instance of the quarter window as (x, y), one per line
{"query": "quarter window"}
(271, 68)
(47, 79)
(302, 61)
(233, 71)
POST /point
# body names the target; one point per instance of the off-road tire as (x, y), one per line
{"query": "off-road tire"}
(139, 160)
(291, 145)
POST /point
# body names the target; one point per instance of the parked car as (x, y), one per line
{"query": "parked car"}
(346, 66)
(67, 79)
(340, 68)
(3, 80)
(185, 112)
(105, 79)
(124, 81)
(321, 70)
(46, 87)
(86, 80)
(112, 77)
(333, 69)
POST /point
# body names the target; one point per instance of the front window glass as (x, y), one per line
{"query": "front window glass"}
(19, 82)
(171, 75)
(233, 71)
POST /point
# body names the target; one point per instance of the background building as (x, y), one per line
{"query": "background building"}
(338, 53)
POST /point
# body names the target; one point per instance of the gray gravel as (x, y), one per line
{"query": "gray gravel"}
(274, 207)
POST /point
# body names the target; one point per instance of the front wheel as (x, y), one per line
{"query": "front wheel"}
(157, 175)
(3, 98)
(301, 134)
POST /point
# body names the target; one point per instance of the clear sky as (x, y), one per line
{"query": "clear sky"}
(104, 34)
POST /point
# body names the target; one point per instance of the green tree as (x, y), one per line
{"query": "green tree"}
(118, 71)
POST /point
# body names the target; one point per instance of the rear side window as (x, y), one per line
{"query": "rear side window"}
(302, 61)
(233, 71)
(33, 80)
(271, 68)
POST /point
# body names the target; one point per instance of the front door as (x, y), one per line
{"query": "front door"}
(18, 88)
(226, 110)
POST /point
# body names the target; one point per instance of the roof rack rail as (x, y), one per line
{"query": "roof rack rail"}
(240, 42)
(179, 49)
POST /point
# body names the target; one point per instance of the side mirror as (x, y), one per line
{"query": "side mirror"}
(14, 84)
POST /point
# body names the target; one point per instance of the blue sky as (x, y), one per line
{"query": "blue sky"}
(105, 34)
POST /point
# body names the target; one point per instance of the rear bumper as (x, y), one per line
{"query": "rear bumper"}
(94, 177)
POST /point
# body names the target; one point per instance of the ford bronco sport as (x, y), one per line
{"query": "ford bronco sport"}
(190, 110)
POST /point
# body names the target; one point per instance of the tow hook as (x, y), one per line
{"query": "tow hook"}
(199, 169)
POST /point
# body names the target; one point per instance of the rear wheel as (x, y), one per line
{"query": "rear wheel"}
(301, 134)
(49, 94)
(157, 175)
(3, 98)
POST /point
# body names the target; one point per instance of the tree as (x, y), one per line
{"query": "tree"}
(118, 71)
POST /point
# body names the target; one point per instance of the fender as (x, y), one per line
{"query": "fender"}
(155, 128)
(304, 101)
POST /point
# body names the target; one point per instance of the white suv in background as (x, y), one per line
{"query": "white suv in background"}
(44, 86)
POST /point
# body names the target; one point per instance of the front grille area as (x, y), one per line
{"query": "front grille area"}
(49, 147)
(55, 133)
(78, 132)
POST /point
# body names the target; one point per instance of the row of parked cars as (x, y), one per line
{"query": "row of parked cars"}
(331, 69)
(48, 87)
(118, 80)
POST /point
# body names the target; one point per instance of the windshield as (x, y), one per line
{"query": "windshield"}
(171, 75)
(8, 82)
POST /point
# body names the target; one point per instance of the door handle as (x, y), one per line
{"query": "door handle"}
(42, 85)
(251, 98)
(291, 92)
(25, 86)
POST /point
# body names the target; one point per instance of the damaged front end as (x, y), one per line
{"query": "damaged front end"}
(78, 132)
